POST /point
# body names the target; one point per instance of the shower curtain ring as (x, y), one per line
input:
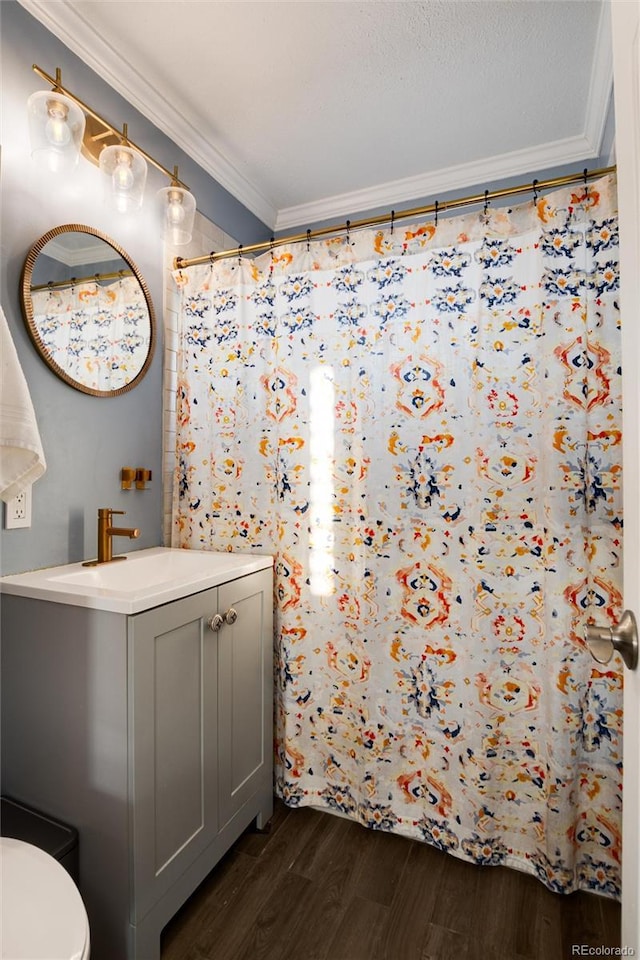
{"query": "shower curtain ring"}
(435, 222)
(393, 217)
(240, 254)
(308, 240)
(348, 231)
(486, 201)
(535, 191)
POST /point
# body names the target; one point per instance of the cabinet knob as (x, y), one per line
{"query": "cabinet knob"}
(215, 622)
(231, 615)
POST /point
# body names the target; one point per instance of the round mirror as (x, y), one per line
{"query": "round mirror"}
(88, 310)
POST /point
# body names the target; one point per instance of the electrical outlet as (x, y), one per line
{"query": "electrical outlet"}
(17, 512)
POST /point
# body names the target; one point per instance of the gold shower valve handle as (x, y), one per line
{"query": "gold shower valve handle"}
(623, 637)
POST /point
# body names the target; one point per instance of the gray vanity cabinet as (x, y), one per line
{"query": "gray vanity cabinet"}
(151, 733)
(245, 713)
(174, 750)
(201, 718)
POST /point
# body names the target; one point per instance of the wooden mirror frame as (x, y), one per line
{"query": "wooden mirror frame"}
(27, 308)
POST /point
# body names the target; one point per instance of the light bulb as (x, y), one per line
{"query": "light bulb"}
(125, 173)
(175, 209)
(57, 130)
(122, 176)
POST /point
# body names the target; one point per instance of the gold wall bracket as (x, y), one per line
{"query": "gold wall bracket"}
(97, 136)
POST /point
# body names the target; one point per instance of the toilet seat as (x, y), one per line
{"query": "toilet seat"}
(42, 916)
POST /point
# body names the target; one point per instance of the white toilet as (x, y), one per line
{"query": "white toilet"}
(42, 916)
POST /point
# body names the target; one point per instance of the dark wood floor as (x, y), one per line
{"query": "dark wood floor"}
(319, 887)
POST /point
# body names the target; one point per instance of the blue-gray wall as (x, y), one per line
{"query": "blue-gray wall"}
(86, 439)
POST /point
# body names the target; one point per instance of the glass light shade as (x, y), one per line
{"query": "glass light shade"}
(125, 175)
(56, 129)
(178, 209)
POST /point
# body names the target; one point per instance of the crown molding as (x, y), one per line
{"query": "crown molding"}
(79, 36)
(97, 252)
(438, 182)
(601, 85)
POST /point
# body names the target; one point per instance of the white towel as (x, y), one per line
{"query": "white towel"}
(21, 456)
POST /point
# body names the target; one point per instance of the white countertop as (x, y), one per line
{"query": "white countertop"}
(146, 579)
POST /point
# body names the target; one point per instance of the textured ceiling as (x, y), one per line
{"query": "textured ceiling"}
(306, 110)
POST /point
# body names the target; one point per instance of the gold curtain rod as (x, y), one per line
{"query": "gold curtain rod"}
(56, 85)
(97, 277)
(536, 185)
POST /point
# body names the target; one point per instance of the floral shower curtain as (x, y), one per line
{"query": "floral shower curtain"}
(422, 425)
(98, 333)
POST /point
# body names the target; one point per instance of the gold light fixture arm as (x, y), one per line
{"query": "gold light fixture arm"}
(57, 85)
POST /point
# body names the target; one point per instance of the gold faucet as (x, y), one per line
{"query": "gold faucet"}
(105, 534)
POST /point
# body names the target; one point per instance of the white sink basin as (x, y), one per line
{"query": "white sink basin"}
(144, 570)
(147, 578)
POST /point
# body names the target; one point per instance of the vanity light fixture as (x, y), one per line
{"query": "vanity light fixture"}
(59, 130)
(56, 128)
(125, 172)
(178, 208)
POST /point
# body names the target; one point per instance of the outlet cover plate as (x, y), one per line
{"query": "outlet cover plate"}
(17, 512)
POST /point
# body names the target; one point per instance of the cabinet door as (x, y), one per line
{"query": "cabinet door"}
(245, 691)
(173, 745)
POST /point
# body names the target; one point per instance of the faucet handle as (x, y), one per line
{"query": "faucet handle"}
(109, 511)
